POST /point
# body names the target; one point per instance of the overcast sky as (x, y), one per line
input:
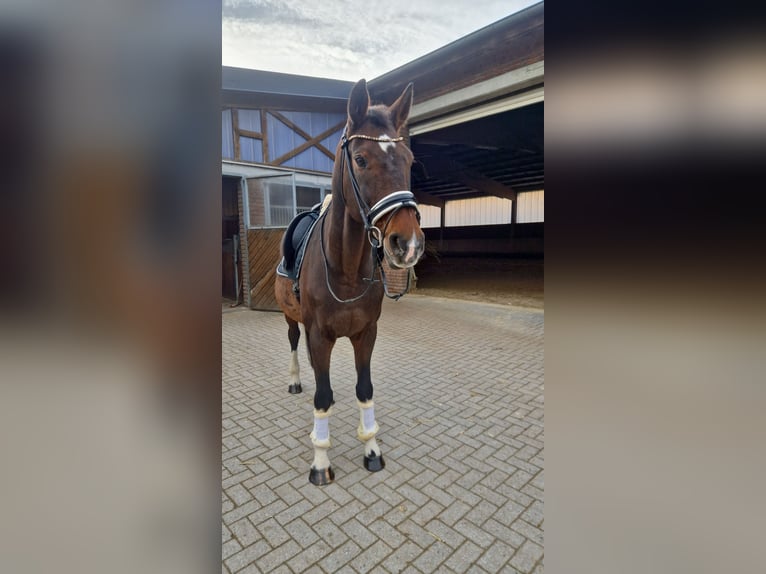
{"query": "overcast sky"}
(345, 39)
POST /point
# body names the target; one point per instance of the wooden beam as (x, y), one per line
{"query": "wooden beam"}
(297, 129)
(250, 134)
(442, 225)
(514, 216)
(312, 141)
(264, 131)
(485, 184)
(235, 132)
(428, 199)
(449, 169)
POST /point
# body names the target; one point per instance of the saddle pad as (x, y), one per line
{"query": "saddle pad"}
(294, 243)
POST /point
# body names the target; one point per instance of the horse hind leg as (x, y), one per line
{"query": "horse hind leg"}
(294, 334)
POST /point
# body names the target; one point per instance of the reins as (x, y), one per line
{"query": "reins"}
(390, 204)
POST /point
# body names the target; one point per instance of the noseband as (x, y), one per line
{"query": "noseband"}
(390, 204)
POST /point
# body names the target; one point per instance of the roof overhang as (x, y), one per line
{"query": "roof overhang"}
(260, 89)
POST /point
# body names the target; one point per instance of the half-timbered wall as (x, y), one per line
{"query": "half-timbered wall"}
(299, 140)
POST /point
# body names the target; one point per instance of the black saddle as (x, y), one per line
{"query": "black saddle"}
(294, 242)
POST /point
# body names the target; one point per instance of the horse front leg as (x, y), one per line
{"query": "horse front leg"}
(368, 427)
(320, 349)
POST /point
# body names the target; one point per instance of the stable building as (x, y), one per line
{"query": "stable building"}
(279, 133)
(476, 131)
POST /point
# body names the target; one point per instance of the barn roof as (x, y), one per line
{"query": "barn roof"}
(477, 120)
(252, 88)
(477, 123)
(508, 44)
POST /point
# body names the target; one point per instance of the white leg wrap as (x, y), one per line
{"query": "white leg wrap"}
(368, 428)
(320, 436)
(295, 370)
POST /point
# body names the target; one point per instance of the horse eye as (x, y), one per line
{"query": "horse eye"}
(360, 161)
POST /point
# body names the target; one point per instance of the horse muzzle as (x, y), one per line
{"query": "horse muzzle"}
(404, 252)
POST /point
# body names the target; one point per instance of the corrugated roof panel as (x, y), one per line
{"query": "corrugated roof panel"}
(260, 81)
(531, 207)
(430, 215)
(478, 211)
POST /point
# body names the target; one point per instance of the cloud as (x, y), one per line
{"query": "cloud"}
(261, 11)
(339, 39)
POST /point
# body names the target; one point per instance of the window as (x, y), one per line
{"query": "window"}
(279, 203)
(307, 197)
(274, 200)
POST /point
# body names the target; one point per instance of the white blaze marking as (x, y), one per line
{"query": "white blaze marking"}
(385, 145)
(411, 244)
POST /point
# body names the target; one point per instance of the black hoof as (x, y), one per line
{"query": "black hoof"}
(374, 462)
(295, 389)
(321, 477)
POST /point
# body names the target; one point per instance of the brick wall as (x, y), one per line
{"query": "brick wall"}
(256, 203)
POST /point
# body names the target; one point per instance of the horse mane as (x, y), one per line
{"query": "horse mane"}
(325, 203)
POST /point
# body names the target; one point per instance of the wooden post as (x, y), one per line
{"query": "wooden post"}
(235, 132)
(442, 225)
(514, 205)
(265, 140)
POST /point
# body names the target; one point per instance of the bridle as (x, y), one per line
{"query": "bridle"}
(390, 205)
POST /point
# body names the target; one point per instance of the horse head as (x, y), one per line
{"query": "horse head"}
(375, 167)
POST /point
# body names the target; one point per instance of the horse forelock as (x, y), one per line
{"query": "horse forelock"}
(379, 118)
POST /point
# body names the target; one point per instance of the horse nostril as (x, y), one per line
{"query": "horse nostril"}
(398, 242)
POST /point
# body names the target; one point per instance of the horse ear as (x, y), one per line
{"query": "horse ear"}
(400, 109)
(358, 102)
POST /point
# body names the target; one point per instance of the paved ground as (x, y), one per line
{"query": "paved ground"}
(459, 400)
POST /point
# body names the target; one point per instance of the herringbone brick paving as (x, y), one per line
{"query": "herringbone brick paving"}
(459, 399)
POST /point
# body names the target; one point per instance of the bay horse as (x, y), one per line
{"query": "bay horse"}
(337, 293)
